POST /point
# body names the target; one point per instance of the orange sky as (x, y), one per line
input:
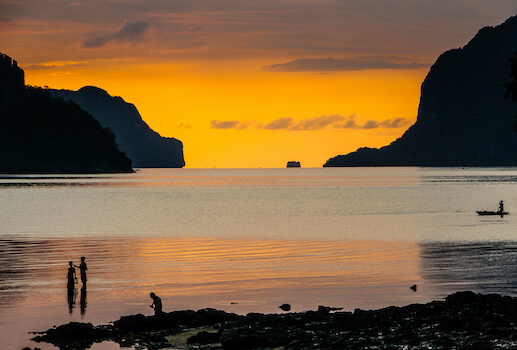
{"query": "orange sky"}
(248, 84)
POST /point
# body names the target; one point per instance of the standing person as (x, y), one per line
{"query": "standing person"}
(157, 304)
(70, 277)
(70, 285)
(82, 269)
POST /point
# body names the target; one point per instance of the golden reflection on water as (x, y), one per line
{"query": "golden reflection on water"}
(234, 275)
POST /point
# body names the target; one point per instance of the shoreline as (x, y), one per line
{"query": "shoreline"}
(462, 320)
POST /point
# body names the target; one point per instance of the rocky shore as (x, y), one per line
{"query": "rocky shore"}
(463, 320)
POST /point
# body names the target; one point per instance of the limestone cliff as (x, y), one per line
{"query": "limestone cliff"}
(145, 147)
(463, 118)
(42, 134)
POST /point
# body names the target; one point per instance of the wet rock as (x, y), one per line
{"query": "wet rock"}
(204, 337)
(463, 320)
(328, 309)
(74, 335)
(245, 338)
(285, 307)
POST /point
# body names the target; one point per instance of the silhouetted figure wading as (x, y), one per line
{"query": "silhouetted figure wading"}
(82, 269)
(70, 285)
(70, 276)
(157, 304)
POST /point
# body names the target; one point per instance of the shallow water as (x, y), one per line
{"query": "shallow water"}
(248, 241)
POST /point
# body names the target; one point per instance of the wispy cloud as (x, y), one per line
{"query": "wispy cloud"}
(331, 64)
(230, 124)
(335, 121)
(56, 64)
(133, 30)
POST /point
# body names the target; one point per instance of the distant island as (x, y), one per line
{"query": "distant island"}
(145, 147)
(463, 118)
(43, 134)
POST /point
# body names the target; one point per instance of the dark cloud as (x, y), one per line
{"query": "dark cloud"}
(372, 124)
(325, 121)
(230, 124)
(317, 123)
(224, 124)
(131, 31)
(395, 123)
(331, 64)
(279, 124)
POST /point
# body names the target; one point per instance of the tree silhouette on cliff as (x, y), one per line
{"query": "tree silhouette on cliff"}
(42, 134)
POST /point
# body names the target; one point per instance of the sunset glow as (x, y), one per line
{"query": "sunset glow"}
(248, 84)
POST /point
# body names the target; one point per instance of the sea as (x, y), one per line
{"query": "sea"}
(248, 240)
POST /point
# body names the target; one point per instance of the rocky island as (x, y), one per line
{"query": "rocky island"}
(463, 118)
(144, 146)
(463, 320)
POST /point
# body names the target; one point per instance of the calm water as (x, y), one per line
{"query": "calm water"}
(248, 241)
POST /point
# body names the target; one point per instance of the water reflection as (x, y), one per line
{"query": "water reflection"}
(235, 275)
(83, 300)
(71, 296)
(482, 267)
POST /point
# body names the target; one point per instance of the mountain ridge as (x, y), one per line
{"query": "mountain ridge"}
(145, 147)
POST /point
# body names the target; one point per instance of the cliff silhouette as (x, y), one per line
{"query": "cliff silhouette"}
(42, 134)
(463, 117)
(145, 147)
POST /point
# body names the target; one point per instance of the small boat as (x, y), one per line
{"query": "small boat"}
(500, 213)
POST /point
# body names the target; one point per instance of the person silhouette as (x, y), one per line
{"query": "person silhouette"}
(501, 207)
(70, 276)
(82, 269)
(157, 304)
(70, 285)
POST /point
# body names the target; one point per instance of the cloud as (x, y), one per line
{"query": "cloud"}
(56, 64)
(395, 123)
(278, 124)
(131, 31)
(230, 124)
(335, 121)
(227, 124)
(331, 64)
(372, 124)
(317, 123)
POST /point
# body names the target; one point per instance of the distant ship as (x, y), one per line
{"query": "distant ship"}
(293, 164)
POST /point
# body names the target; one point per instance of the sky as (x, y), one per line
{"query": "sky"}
(248, 84)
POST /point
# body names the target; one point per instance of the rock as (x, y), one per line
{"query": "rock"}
(464, 320)
(74, 335)
(285, 307)
(244, 338)
(327, 309)
(204, 337)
